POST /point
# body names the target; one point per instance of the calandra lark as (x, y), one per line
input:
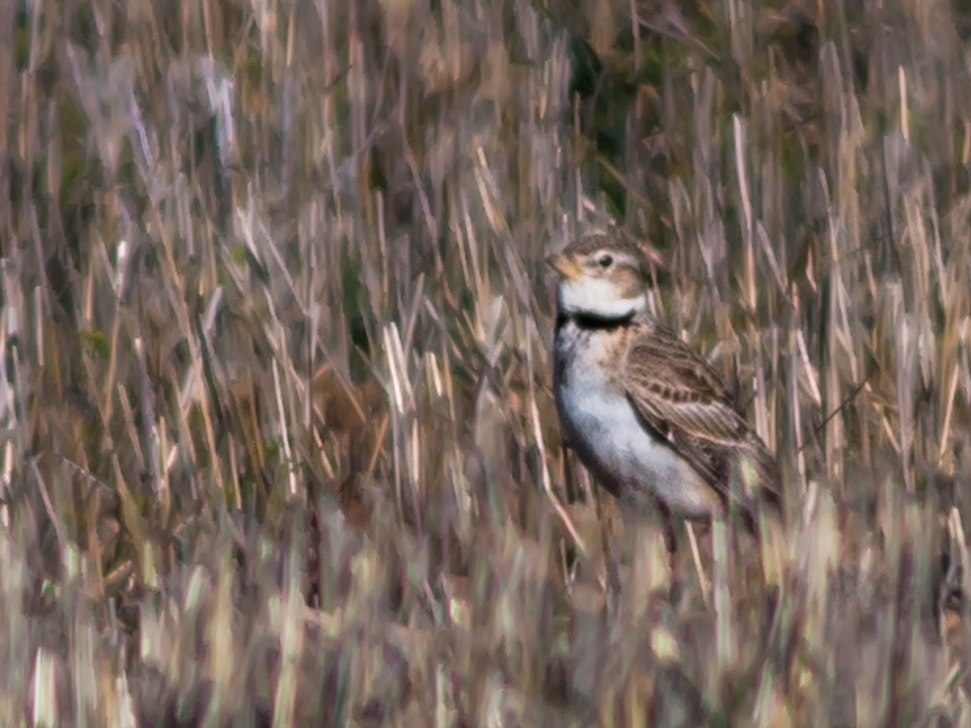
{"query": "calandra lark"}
(651, 419)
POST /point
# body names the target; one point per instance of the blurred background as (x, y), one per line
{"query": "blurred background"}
(278, 439)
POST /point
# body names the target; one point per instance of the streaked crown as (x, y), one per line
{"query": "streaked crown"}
(602, 276)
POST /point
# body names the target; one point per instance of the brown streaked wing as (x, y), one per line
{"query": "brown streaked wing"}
(677, 389)
(682, 398)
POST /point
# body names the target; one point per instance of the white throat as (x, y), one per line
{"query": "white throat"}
(597, 298)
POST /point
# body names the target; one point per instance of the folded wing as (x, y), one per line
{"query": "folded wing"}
(677, 394)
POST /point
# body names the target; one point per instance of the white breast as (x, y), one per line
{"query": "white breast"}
(610, 440)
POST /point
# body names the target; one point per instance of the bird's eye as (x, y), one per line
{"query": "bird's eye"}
(606, 261)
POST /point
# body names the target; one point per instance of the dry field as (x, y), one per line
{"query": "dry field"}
(278, 440)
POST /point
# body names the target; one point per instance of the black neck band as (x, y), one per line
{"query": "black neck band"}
(593, 322)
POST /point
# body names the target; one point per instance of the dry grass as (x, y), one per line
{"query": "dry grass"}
(278, 436)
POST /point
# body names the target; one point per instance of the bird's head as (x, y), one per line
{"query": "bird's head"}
(601, 276)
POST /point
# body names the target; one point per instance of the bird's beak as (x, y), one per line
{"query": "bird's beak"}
(564, 266)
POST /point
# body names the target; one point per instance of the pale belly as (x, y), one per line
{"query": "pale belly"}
(611, 442)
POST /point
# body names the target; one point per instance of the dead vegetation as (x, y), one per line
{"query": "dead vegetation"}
(278, 438)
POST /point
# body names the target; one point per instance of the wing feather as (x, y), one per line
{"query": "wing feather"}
(678, 395)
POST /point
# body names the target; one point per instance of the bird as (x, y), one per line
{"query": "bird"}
(651, 419)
